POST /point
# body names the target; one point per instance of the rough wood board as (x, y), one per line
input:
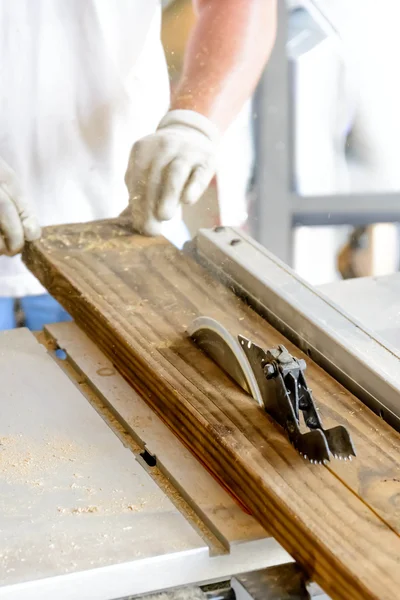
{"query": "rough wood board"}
(210, 501)
(135, 297)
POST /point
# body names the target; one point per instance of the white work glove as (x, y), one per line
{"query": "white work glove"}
(18, 224)
(173, 166)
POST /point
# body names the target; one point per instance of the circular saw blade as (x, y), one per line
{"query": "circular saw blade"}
(227, 352)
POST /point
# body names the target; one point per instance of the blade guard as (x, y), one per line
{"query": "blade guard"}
(275, 379)
(226, 351)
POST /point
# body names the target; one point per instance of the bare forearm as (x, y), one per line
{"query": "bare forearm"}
(226, 53)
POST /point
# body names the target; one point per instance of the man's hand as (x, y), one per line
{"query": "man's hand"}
(171, 167)
(224, 58)
(18, 224)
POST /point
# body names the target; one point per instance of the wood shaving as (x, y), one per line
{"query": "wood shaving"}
(25, 460)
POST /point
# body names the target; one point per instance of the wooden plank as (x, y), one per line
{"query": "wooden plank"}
(135, 297)
(215, 507)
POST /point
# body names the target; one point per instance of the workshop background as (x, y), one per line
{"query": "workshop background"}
(310, 168)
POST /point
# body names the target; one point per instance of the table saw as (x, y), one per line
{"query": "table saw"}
(100, 500)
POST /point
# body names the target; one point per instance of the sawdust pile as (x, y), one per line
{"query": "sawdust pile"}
(113, 506)
(26, 461)
(55, 463)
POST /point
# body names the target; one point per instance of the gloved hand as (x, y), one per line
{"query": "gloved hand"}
(173, 166)
(18, 224)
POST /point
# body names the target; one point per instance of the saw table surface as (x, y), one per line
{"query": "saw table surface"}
(80, 516)
(374, 302)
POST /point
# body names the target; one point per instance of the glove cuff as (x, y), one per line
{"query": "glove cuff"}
(190, 118)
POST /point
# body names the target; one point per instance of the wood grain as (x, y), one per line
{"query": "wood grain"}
(135, 297)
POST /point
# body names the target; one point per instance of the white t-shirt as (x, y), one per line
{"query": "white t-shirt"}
(80, 82)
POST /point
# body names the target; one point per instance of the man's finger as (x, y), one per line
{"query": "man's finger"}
(156, 177)
(176, 176)
(3, 247)
(32, 229)
(126, 212)
(143, 220)
(10, 224)
(198, 183)
(151, 226)
(137, 201)
(30, 225)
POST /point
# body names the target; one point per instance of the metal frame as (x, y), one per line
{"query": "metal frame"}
(277, 209)
(272, 220)
(355, 356)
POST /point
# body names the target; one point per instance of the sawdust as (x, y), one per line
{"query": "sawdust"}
(110, 507)
(25, 460)
(78, 511)
(100, 236)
